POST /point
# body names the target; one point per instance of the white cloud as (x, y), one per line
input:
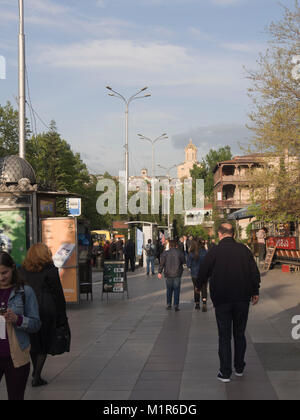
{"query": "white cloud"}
(159, 63)
(243, 47)
(215, 136)
(100, 3)
(225, 2)
(45, 6)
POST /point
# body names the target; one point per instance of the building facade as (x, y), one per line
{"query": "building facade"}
(183, 170)
(231, 182)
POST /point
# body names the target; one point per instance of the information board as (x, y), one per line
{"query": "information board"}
(114, 277)
(290, 243)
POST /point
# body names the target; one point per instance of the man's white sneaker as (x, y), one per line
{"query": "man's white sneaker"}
(240, 374)
(223, 378)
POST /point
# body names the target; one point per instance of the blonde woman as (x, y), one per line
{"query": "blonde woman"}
(39, 272)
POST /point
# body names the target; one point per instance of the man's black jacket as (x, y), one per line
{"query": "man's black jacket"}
(171, 262)
(233, 273)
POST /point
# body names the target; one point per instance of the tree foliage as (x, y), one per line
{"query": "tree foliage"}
(275, 122)
(206, 168)
(9, 130)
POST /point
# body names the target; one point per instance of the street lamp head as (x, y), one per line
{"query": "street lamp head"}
(108, 87)
(147, 96)
(145, 88)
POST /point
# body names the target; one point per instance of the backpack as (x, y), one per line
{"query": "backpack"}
(150, 250)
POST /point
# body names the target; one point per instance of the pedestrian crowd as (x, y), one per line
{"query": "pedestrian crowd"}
(33, 320)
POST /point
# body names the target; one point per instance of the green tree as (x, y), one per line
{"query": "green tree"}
(55, 163)
(205, 169)
(57, 167)
(9, 130)
(275, 122)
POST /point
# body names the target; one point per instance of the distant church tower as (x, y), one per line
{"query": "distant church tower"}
(183, 170)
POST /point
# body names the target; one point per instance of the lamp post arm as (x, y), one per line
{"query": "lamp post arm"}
(117, 94)
(137, 97)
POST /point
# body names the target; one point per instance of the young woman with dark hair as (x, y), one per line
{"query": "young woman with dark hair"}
(19, 316)
(195, 258)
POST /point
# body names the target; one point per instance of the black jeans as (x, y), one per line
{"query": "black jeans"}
(16, 378)
(132, 263)
(203, 291)
(232, 319)
(261, 252)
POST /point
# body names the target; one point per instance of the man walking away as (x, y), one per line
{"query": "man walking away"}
(234, 281)
(129, 254)
(150, 252)
(171, 262)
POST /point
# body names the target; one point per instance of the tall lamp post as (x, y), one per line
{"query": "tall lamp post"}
(168, 176)
(21, 81)
(127, 102)
(163, 136)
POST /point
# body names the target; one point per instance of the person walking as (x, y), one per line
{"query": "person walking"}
(129, 254)
(261, 240)
(113, 250)
(150, 253)
(119, 249)
(19, 316)
(106, 250)
(171, 262)
(39, 272)
(234, 282)
(194, 261)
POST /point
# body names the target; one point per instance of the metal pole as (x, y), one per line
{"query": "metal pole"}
(22, 97)
(126, 155)
(152, 160)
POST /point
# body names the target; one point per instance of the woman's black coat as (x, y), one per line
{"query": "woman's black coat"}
(52, 305)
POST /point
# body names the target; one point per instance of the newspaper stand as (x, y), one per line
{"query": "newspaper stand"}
(114, 278)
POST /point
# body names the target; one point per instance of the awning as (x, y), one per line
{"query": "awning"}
(244, 213)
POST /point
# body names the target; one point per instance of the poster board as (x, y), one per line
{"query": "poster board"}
(114, 278)
(13, 234)
(60, 235)
(139, 242)
(269, 257)
(47, 207)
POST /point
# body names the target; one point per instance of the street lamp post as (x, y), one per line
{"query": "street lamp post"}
(163, 136)
(127, 102)
(168, 176)
(22, 99)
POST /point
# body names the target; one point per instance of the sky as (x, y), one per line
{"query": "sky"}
(191, 54)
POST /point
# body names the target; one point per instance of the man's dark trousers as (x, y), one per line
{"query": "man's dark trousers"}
(132, 263)
(232, 319)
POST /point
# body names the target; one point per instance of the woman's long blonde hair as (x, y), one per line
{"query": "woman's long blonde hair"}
(37, 257)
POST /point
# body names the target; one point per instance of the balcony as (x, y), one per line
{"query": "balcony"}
(232, 204)
(234, 178)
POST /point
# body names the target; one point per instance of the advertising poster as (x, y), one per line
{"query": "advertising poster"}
(139, 242)
(47, 208)
(59, 235)
(13, 234)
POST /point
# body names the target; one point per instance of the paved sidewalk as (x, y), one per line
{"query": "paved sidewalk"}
(133, 349)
